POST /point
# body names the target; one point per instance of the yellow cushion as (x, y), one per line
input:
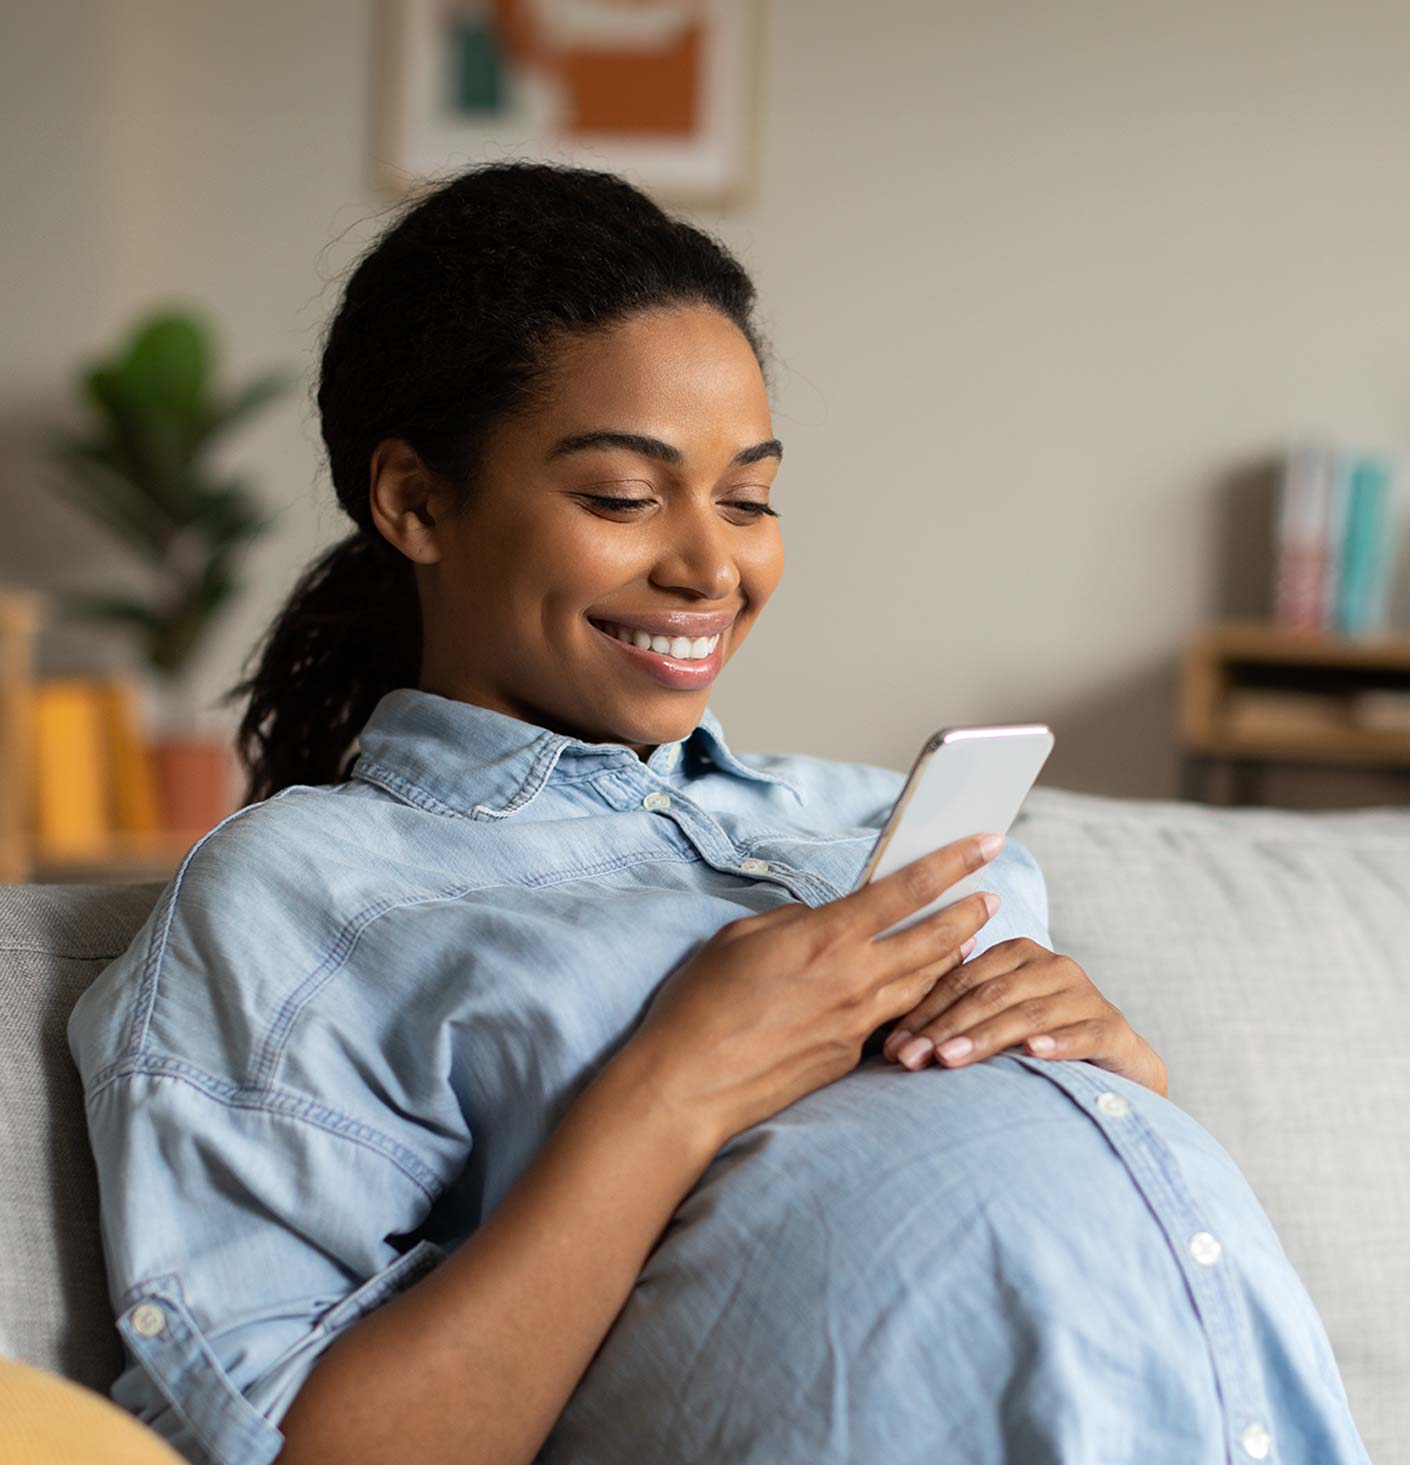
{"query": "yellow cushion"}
(50, 1420)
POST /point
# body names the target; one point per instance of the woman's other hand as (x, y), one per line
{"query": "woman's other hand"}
(775, 1005)
(1020, 992)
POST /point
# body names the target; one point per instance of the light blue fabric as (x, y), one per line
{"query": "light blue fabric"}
(356, 1011)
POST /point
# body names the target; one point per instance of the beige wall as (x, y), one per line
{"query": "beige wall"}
(1046, 284)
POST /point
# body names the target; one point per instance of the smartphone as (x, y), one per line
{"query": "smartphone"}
(965, 780)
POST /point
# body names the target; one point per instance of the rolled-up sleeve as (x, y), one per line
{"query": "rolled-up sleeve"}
(244, 1230)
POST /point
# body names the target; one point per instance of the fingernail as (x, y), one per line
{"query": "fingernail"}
(1042, 1043)
(954, 1048)
(990, 845)
(894, 1039)
(967, 948)
(991, 901)
(915, 1052)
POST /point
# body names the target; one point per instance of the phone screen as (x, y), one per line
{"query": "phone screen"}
(966, 780)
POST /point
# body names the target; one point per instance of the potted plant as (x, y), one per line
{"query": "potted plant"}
(144, 471)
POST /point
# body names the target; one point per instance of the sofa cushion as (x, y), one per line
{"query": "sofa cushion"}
(54, 1311)
(1265, 954)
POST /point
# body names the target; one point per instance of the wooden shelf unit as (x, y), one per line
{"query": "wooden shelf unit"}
(19, 617)
(1254, 694)
(126, 857)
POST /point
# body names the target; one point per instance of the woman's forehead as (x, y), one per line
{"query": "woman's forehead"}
(662, 370)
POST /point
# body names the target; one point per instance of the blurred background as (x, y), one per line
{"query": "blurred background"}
(1076, 311)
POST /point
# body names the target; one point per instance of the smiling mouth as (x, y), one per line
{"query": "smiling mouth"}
(678, 648)
(688, 672)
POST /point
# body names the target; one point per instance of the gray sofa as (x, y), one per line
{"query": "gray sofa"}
(1265, 954)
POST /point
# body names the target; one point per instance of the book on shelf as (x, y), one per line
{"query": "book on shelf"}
(92, 777)
(133, 803)
(1335, 535)
(70, 795)
(1363, 589)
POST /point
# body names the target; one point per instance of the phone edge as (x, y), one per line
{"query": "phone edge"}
(928, 748)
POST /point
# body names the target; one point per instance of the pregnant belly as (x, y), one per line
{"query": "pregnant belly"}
(943, 1265)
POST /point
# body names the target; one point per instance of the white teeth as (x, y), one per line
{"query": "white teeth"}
(681, 648)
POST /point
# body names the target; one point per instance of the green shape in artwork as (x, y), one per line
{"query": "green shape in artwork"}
(479, 68)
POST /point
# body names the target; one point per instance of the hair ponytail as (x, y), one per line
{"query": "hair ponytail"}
(446, 327)
(349, 633)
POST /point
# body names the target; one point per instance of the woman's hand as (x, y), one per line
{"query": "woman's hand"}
(775, 1005)
(1020, 992)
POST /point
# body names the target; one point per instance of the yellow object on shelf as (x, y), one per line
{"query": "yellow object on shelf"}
(133, 804)
(79, 794)
(70, 737)
(95, 792)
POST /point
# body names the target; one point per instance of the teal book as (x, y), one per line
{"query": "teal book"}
(1338, 470)
(1365, 550)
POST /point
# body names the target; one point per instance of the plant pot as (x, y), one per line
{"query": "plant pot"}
(195, 775)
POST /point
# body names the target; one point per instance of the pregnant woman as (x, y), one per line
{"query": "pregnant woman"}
(496, 1085)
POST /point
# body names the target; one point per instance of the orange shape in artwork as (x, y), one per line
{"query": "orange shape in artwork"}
(640, 93)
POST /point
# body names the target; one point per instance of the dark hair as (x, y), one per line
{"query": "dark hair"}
(447, 326)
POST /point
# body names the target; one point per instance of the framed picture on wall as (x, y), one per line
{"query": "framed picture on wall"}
(664, 92)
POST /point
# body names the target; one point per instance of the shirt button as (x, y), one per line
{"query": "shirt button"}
(1256, 1442)
(1113, 1104)
(754, 867)
(1206, 1250)
(657, 800)
(148, 1320)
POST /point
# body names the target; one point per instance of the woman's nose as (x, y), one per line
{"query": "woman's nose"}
(697, 555)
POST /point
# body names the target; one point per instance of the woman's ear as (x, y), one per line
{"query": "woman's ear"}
(405, 503)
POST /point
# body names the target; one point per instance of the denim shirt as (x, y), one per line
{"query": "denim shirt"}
(357, 1010)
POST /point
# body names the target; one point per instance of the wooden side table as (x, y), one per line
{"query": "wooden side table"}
(1254, 695)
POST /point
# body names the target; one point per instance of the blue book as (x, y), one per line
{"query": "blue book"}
(1365, 551)
(1338, 470)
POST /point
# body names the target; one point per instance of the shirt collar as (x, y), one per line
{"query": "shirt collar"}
(456, 757)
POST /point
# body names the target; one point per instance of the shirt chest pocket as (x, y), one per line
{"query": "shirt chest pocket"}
(837, 858)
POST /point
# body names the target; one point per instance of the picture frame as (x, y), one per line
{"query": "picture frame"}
(663, 92)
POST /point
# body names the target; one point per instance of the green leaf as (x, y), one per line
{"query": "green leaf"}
(174, 640)
(118, 608)
(152, 449)
(213, 510)
(91, 485)
(143, 474)
(105, 388)
(167, 367)
(163, 446)
(216, 587)
(246, 402)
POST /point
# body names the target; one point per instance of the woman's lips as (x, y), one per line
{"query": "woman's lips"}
(680, 676)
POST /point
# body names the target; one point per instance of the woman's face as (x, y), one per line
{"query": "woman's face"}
(633, 504)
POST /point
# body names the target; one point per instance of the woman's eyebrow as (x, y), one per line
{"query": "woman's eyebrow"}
(653, 447)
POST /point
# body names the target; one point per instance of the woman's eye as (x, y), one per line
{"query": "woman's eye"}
(614, 503)
(756, 511)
